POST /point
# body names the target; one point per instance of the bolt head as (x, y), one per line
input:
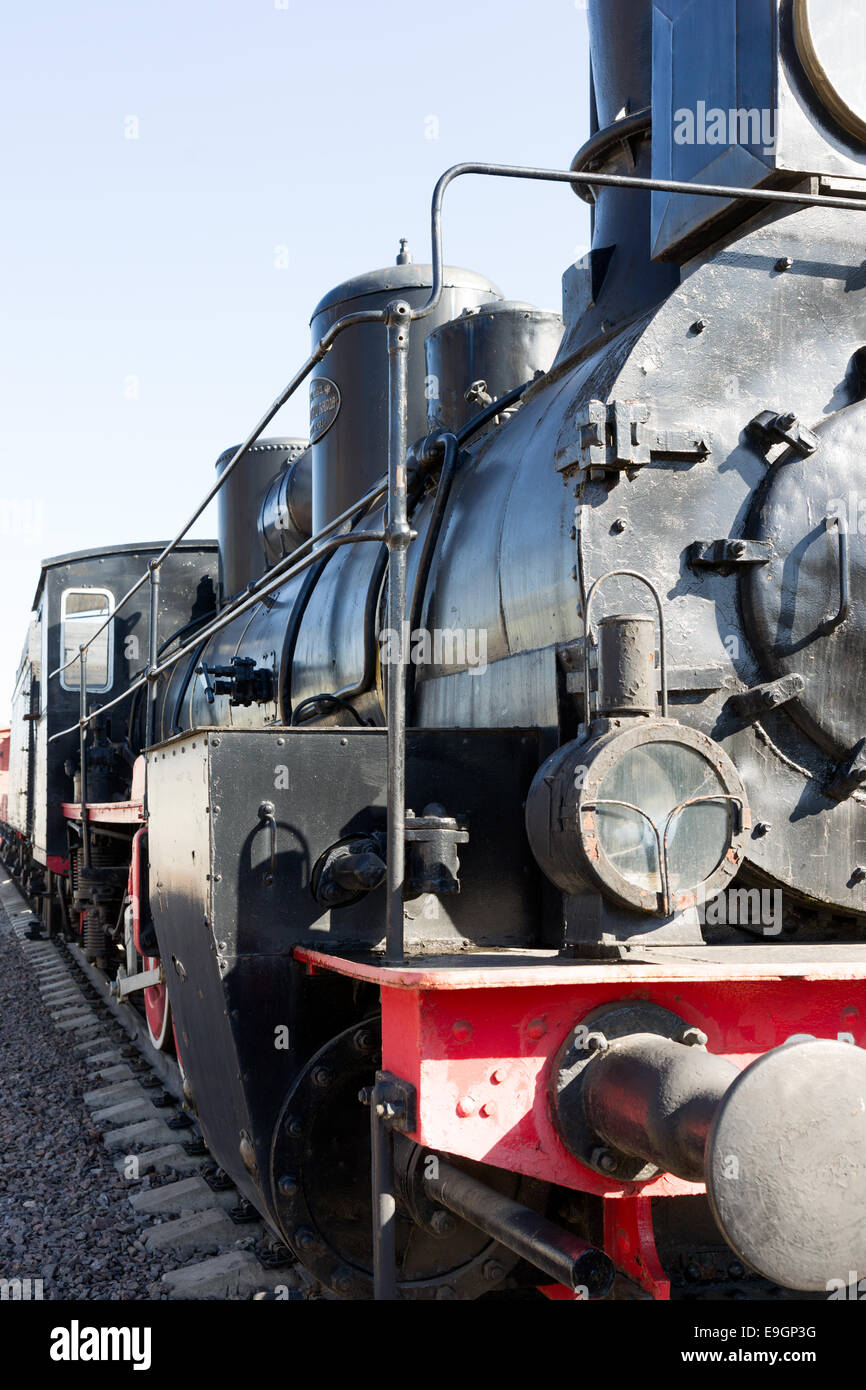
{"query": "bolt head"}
(288, 1185)
(321, 1077)
(619, 525)
(442, 1222)
(693, 1037)
(493, 1271)
(605, 1160)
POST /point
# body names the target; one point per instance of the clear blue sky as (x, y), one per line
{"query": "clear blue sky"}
(157, 290)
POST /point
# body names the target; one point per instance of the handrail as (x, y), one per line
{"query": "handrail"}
(287, 569)
(397, 318)
(326, 342)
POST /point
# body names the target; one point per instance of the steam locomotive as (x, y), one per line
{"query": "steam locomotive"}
(484, 815)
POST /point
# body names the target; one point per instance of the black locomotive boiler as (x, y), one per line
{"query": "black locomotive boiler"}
(490, 832)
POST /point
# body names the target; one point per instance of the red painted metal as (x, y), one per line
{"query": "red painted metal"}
(156, 1006)
(478, 1044)
(106, 812)
(629, 1240)
(135, 885)
(57, 864)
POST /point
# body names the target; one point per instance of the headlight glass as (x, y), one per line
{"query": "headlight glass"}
(660, 778)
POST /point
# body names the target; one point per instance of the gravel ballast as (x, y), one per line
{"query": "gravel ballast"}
(65, 1215)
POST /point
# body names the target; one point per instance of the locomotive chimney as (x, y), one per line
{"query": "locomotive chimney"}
(618, 279)
(620, 39)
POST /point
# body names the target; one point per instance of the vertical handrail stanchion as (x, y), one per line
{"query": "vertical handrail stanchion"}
(82, 752)
(398, 535)
(384, 1203)
(153, 653)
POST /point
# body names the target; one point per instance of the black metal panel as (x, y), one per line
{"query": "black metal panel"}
(226, 934)
(329, 783)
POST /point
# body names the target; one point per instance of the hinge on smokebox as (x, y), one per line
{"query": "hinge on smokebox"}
(610, 438)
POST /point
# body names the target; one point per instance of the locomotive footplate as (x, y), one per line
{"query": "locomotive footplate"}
(483, 1041)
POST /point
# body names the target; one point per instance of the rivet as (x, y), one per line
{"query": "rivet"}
(288, 1185)
(488, 1110)
(536, 1028)
(461, 1030)
(466, 1106)
(499, 1076)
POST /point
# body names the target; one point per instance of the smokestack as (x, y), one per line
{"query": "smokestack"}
(620, 41)
(618, 279)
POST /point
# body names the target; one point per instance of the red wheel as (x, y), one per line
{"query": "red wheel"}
(177, 1051)
(157, 1008)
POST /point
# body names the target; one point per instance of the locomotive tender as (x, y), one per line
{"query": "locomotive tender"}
(492, 826)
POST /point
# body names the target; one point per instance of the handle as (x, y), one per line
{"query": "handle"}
(835, 521)
(267, 815)
(208, 687)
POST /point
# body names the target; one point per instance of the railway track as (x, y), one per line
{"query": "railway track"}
(189, 1211)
